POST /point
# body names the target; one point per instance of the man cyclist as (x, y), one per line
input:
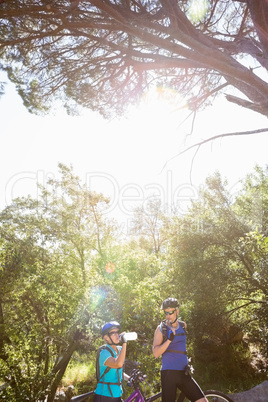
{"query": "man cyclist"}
(170, 343)
(109, 364)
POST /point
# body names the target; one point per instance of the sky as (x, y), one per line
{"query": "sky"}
(131, 158)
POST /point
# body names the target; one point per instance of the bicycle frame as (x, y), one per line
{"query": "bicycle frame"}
(82, 398)
(135, 394)
(140, 398)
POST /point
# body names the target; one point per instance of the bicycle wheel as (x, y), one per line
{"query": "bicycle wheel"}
(217, 396)
(212, 396)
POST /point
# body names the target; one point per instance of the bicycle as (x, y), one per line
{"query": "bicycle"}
(138, 383)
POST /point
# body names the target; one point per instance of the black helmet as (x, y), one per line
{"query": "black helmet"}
(170, 302)
(109, 326)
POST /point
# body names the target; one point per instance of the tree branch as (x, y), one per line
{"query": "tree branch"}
(250, 301)
(198, 144)
(259, 131)
(260, 108)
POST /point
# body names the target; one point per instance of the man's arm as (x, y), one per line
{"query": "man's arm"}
(158, 346)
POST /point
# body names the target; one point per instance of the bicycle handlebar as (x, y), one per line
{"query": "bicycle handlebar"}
(136, 377)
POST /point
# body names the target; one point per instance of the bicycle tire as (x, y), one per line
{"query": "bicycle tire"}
(217, 395)
(213, 396)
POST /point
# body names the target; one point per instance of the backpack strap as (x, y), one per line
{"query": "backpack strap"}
(176, 351)
(164, 328)
(98, 361)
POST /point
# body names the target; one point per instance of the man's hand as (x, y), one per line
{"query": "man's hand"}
(170, 335)
(171, 331)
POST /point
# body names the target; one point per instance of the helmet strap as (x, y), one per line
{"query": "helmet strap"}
(175, 318)
(112, 342)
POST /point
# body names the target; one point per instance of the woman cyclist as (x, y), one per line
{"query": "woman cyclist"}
(109, 364)
(170, 343)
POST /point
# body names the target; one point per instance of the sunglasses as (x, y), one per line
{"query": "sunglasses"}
(169, 312)
(114, 332)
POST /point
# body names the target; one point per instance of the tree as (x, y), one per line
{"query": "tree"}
(219, 252)
(104, 54)
(139, 287)
(75, 216)
(40, 296)
(147, 224)
(48, 252)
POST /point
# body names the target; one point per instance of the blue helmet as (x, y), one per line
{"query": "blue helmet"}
(109, 326)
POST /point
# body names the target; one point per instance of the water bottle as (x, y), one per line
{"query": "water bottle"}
(130, 336)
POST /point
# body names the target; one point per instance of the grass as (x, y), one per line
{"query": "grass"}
(81, 375)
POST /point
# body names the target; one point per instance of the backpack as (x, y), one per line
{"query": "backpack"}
(103, 347)
(98, 376)
(164, 328)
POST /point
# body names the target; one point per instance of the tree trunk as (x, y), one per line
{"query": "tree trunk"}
(60, 368)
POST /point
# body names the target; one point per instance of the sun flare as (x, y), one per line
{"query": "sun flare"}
(197, 10)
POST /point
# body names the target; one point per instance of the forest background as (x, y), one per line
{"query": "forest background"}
(66, 268)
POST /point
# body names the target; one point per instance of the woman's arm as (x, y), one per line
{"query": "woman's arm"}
(117, 362)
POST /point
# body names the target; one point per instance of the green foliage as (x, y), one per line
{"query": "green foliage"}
(220, 260)
(37, 335)
(48, 248)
